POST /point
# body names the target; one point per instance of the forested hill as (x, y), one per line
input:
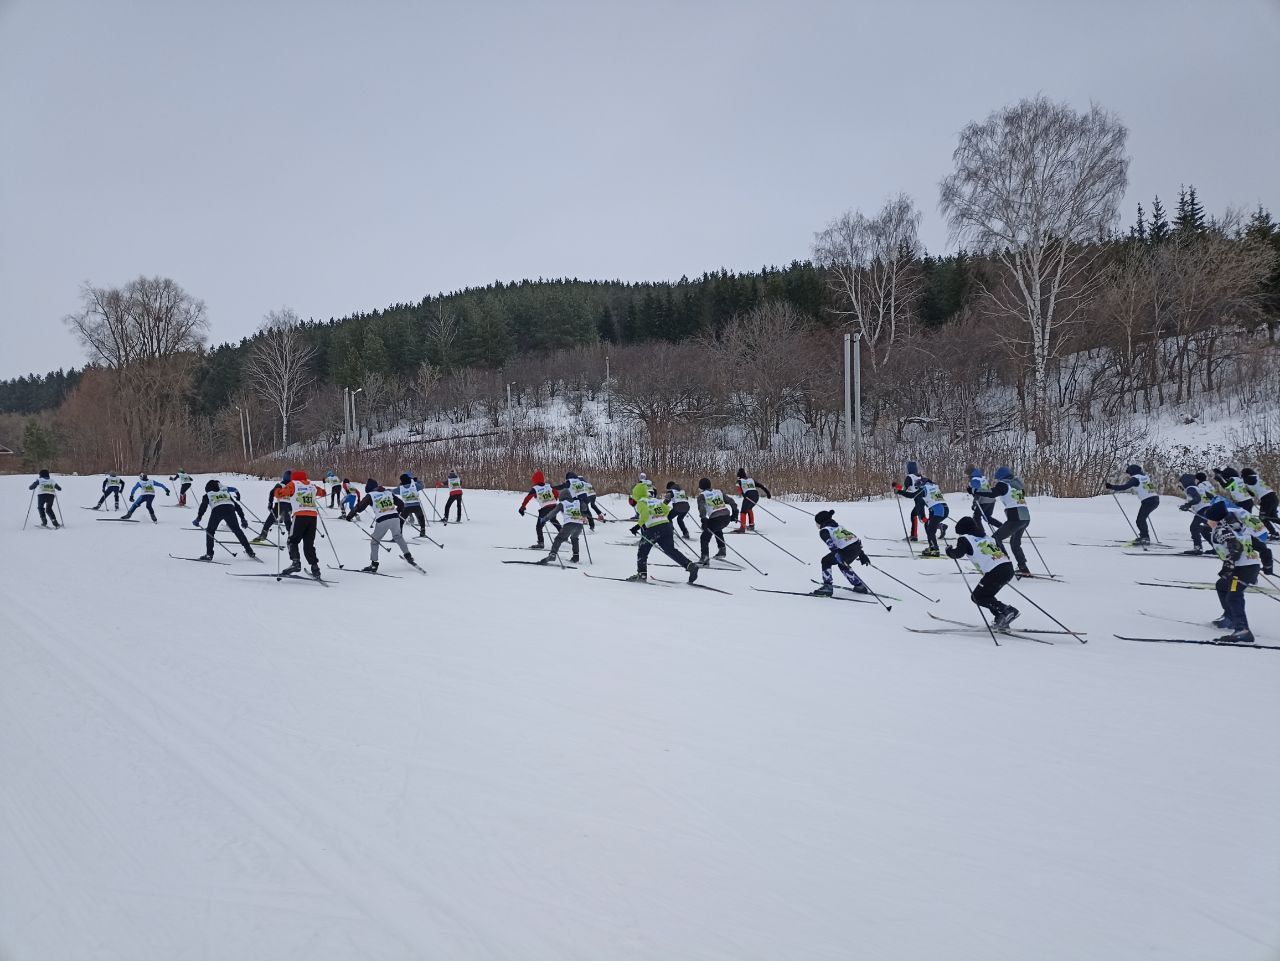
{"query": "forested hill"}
(487, 326)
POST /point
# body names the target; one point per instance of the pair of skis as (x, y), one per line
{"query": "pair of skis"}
(654, 580)
(962, 627)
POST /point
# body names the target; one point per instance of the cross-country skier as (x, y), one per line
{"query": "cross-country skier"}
(548, 505)
(1145, 488)
(1240, 563)
(996, 568)
(387, 521)
(677, 497)
(278, 511)
(984, 500)
(591, 507)
(716, 511)
(334, 484)
(750, 489)
(408, 492)
(845, 548)
(1199, 493)
(1231, 485)
(648, 484)
(303, 498)
(454, 483)
(184, 481)
(654, 528)
(350, 494)
(113, 483)
(909, 487)
(929, 494)
(223, 508)
(1267, 499)
(1241, 519)
(572, 516)
(1008, 490)
(143, 493)
(48, 490)
(580, 491)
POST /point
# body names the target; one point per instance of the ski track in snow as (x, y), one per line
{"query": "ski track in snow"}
(502, 762)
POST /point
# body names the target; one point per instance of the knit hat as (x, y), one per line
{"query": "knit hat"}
(825, 518)
(704, 484)
(370, 485)
(405, 478)
(1003, 473)
(1133, 470)
(211, 485)
(538, 478)
(286, 477)
(966, 525)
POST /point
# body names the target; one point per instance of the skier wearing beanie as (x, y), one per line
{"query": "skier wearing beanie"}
(454, 483)
(143, 493)
(716, 511)
(750, 489)
(1240, 563)
(654, 528)
(303, 498)
(909, 488)
(113, 483)
(984, 499)
(184, 481)
(929, 497)
(548, 505)
(412, 500)
(278, 511)
(679, 501)
(48, 490)
(350, 494)
(1198, 492)
(223, 508)
(1144, 487)
(648, 486)
(1231, 485)
(1267, 500)
(845, 547)
(573, 515)
(997, 570)
(1008, 490)
(387, 521)
(332, 482)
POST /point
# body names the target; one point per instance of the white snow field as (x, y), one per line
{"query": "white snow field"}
(507, 762)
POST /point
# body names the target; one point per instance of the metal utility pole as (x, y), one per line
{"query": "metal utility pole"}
(857, 395)
(346, 416)
(244, 443)
(853, 395)
(848, 404)
(248, 424)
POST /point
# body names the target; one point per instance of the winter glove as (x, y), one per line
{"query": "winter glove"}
(520, 512)
(636, 529)
(864, 560)
(1185, 507)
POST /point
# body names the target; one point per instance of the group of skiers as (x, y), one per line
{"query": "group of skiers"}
(1234, 515)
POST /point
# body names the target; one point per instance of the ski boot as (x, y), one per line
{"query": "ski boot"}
(704, 561)
(640, 576)
(545, 560)
(574, 559)
(99, 507)
(1005, 618)
(1141, 541)
(1223, 622)
(205, 557)
(155, 520)
(1236, 637)
(860, 588)
(751, 527)
(1023, 571)
(295, 567)
(721, 554)
(538, 546)
(930, 552)
(693, 572)
(409, 559)
(942, 530)
(260, 541)
(371, 569)
(44, 523)
(825, 590)
(248, 552)
(315, 571)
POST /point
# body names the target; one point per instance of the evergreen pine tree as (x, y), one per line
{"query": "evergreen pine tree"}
(1159, 229)
(1139, 230)
(1190, 218)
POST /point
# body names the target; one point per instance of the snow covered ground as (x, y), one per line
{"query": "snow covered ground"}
(506, 762)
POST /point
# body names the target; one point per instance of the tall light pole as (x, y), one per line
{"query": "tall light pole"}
(853, 389)
(244, 444)
(355, 429)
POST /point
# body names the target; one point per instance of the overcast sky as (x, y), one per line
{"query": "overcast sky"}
(333, 156)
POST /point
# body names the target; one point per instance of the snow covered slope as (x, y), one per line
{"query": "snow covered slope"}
(507, 762)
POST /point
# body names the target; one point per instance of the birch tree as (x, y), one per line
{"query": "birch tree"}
(1036, 186)
(870, 267)
(279, 366)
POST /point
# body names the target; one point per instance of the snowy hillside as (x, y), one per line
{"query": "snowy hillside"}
(506, 762)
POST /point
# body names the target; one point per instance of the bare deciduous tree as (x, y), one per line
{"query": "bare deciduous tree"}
(146, 334)
(442, 332)
(279, 366)
(869, 264)
(1035, 186)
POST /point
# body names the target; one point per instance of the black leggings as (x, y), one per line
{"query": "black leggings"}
(984, 595)
(286, 519)
(1267, 508)
(931, 526)
(409, 513)
(304, 532)
(1011, 531)
(107, 493)
(714, 527)
(44, 503)
(677, 517)
(450, 501)
(233, 525)
(659, 536)
(1148, 505)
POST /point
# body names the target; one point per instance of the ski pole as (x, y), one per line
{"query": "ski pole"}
(981, 610)
(63, 519)
(792, 506)
(871, 591)
(1274, 597)
(780, 547)
(1075, 634)
(1120, 507)
(434, 541)
(769, 512)
(932, 600)
(330, 540)
(371, 537)
(463, 504)
(586, 540)
(1038, 554)
(905, 537)
(29, 503)
(220, 543)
